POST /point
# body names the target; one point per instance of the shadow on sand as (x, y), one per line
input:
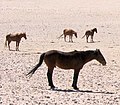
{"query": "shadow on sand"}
(94, 42)
(82, 91)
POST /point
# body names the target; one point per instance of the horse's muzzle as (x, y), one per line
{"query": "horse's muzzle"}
(104, 64)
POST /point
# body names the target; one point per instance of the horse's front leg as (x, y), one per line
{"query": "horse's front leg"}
(9, 44)
(17, 46)
(71, 38)
(75, 78)
(92, 38)
(49, 76)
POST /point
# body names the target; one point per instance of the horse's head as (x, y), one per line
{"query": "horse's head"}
(75, 34)
(95, 30)
(99, 57)
(24, 35)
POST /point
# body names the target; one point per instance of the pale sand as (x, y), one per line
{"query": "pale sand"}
(44, 21)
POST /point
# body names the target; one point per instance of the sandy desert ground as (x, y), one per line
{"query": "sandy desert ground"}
(44, 21)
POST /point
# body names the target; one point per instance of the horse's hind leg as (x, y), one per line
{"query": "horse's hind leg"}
(75, 78)
(87, 38)
(17, 46)
(92, 38)
(9, 44)
(49, 76)
(70, 39)
(65, 38)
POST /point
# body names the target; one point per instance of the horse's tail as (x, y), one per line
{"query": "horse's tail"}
(39, 64)
(6, 42)
(83, 36)
(60, 36)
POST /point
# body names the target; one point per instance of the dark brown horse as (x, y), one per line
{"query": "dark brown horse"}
(15, 37)
(90, 33)
(68, 60)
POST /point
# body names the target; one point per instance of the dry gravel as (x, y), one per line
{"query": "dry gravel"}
(44, 21)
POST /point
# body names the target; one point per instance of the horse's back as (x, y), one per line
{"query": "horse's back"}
(64, 60)
(53, 52)
(13, 37)
(88, 32)
(69, 60)
(68, 31)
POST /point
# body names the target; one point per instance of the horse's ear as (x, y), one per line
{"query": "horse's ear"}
(96, 51)
(96, 30)
(24, 33)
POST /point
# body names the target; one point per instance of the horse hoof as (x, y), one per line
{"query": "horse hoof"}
(76, 88)
(52, 87)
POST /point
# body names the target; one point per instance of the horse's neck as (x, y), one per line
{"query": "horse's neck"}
(94, 31)
(21, 36)
(88, 56)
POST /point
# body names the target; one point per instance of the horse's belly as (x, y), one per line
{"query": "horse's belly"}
(65, 66)
(13, 39)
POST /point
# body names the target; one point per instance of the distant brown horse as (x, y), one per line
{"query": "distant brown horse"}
(90, 33)
(15, 37)
(70, 33)
(68, 60)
